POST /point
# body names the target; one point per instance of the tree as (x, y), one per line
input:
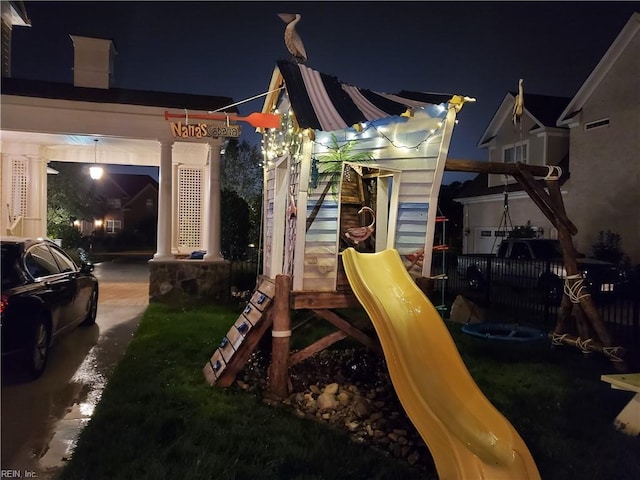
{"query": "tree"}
(241, 178)
(71, 196)
(241, 170)
(608, 247)
(235, 225)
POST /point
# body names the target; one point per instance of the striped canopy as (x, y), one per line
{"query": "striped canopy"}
(322, 102)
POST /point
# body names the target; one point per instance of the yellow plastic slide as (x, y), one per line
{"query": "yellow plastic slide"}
(468, 438)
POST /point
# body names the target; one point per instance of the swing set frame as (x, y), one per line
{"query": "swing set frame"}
(593, 335)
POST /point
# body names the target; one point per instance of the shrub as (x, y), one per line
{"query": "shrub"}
(608, 247)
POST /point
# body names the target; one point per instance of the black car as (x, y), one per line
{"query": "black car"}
(44, 294)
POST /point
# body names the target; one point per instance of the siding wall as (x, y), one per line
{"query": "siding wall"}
(604, 188)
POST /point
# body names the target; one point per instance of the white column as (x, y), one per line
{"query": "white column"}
(212, 207)
(175, 168)
(164, 204)
(36, 214)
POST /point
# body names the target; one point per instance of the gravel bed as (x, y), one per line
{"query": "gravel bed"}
(349, 389)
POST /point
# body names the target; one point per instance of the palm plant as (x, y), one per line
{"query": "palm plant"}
(328, 168)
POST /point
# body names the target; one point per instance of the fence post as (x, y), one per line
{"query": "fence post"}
(489, 281)
(545, 297)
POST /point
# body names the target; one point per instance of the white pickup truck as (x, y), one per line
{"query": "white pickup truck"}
(535, 263)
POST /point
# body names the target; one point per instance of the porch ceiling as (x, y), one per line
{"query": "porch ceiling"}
(81, 148)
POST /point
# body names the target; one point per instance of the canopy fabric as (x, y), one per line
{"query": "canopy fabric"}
(322, 102)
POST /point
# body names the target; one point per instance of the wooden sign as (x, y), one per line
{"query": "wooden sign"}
(202, 130)
(232, 131)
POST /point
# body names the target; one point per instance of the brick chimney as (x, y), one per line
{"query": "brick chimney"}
(92, 62)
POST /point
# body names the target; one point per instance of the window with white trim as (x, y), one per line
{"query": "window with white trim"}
(113, 226)
(515, 153)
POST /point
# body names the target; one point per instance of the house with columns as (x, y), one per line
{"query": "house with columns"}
(93, 122)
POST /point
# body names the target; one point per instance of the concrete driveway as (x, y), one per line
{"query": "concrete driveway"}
(41, 420)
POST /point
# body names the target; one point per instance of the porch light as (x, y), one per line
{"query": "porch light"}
(96, 171)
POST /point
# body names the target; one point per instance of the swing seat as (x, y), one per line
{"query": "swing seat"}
(504, 332)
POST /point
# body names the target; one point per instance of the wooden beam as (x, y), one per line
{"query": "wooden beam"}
(555, 195)
(318, 346)
(281, 333)
(615, 354)
(309, 299)
(333, 318)
(542, 199)
(497, 168)
(538, 200)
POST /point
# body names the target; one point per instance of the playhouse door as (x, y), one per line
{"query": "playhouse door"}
(365, 194)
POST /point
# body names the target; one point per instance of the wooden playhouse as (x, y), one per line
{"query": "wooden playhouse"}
(340, 148)
(347, 167)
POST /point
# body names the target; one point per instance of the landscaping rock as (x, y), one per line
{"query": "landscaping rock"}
(326, 401)
(357, 396)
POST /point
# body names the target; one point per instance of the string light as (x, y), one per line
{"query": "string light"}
(287, 139)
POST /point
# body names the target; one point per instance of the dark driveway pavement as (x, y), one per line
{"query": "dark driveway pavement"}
(42, 419)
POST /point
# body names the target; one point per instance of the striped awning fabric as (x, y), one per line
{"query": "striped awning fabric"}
(322, 102)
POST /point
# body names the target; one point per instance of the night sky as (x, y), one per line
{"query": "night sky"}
(479, 49)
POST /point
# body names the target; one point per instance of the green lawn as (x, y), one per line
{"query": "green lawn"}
(158, 419)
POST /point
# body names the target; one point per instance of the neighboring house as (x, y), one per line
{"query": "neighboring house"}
(127, 201)
(604, 120)
(599, 129)
(493, 204)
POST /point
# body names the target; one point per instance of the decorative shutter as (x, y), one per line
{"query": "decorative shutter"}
(19, 195)
(190, 199)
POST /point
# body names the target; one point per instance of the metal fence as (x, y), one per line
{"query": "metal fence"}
(243, 274)
(524, 302)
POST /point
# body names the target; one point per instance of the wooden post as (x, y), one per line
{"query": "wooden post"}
(281, 333)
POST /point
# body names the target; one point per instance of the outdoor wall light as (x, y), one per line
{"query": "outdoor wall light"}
(96, 171)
